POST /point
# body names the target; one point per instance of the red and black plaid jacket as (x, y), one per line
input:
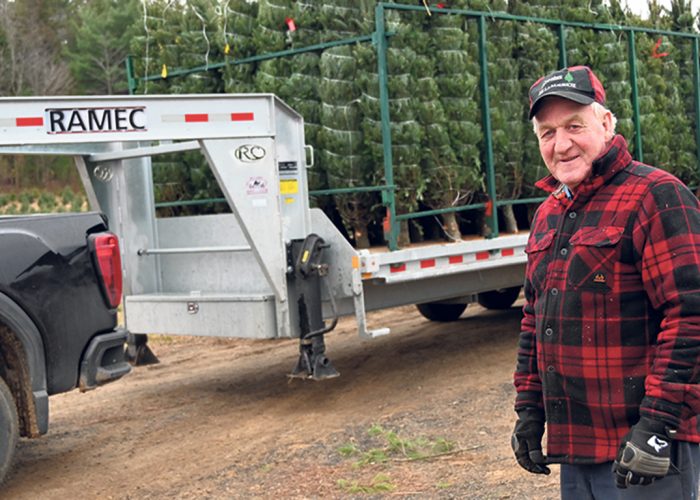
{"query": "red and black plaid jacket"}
(611, 325)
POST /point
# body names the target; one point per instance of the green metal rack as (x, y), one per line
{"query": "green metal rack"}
(380, 39)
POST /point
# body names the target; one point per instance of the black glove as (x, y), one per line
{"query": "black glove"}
(527, 441)
(644, 454)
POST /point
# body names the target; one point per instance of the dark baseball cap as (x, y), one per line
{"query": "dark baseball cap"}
(577, 83)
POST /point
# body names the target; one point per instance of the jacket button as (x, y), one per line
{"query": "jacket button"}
(554, 291)
(564, 251)
(548, 332)
(572, 215)
(550, 368)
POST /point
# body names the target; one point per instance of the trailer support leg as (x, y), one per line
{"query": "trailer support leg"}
(308, 273)
(137, 351)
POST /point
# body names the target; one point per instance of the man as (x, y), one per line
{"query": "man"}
(610, 336)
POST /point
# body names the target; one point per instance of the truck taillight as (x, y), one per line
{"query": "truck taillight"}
(105, 248)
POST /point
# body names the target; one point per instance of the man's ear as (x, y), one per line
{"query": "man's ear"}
(608, 125)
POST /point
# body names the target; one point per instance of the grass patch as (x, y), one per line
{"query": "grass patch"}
(381, 483)
(387, 445)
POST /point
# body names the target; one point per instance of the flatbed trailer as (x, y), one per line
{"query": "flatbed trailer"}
(274, 267)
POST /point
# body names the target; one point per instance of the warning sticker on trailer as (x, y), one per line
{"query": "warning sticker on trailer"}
(256, 185)
(289, 186)
(95, 120)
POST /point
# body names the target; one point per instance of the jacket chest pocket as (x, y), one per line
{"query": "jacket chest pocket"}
(538, 257)
(595, 251)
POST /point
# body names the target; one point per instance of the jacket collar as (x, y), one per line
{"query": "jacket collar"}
(614, 158)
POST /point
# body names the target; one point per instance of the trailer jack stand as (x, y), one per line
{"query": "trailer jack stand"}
(313, 362)
(309, 272)
(137, 351)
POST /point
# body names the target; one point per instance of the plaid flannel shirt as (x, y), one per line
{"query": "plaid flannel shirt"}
(611, 325)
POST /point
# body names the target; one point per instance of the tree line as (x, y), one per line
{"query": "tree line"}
(61, 47)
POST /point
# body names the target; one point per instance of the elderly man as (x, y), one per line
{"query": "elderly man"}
(610, 336)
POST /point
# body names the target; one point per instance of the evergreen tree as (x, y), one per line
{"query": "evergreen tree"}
(103, 30)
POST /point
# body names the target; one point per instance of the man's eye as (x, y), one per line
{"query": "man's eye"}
(575, 126)
(547, 134)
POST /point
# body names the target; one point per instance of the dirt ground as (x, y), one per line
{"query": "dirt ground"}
(425, 412)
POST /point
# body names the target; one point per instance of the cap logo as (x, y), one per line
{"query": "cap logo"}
(569, 77)
(556, 85)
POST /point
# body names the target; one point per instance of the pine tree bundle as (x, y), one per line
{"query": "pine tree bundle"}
(682, 19)
(536, 50)
(667, 133)
(302, 93)
(443, 175)
(303, 87)
(241, 22)
(505, 104)
(272, 34)
(340, 142)
(406, 132)
(451, 159)
(345, 18)
(457, 175)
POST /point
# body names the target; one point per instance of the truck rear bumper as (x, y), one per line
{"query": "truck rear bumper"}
(104, 360)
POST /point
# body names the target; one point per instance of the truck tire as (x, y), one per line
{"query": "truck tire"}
(9, 429)
(441, 312)
(499, 299)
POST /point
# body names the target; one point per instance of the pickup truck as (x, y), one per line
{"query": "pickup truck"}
(60, 286)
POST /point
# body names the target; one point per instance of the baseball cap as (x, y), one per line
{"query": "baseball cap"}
(576, 83)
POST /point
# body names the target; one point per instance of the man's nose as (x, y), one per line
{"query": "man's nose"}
(562, 141)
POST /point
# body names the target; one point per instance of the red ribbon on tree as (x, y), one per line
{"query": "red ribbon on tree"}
(290, 24)
(488, 208)
(654, 52)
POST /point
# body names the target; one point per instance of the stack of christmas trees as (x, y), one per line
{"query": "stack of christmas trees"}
(435, 100)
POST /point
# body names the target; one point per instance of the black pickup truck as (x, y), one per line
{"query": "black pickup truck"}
(60, 286)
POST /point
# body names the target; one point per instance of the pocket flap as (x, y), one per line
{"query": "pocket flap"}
(540, 241)
(597, 236)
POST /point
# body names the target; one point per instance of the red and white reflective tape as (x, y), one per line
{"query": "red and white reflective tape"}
(466, 258)
(22, 121)
(38, 121)
(208, 117)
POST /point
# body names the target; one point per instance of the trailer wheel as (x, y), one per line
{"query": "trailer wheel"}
(9, 429)
(499, 299)
(441, 312)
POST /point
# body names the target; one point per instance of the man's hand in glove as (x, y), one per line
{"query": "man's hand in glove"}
(527, 441)
(644, 454)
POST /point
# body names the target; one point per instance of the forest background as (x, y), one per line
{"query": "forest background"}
(78, 47)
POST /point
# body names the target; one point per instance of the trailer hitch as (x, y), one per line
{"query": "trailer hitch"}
(308, 273)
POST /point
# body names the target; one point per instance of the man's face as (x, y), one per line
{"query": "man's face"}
(571, 137)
